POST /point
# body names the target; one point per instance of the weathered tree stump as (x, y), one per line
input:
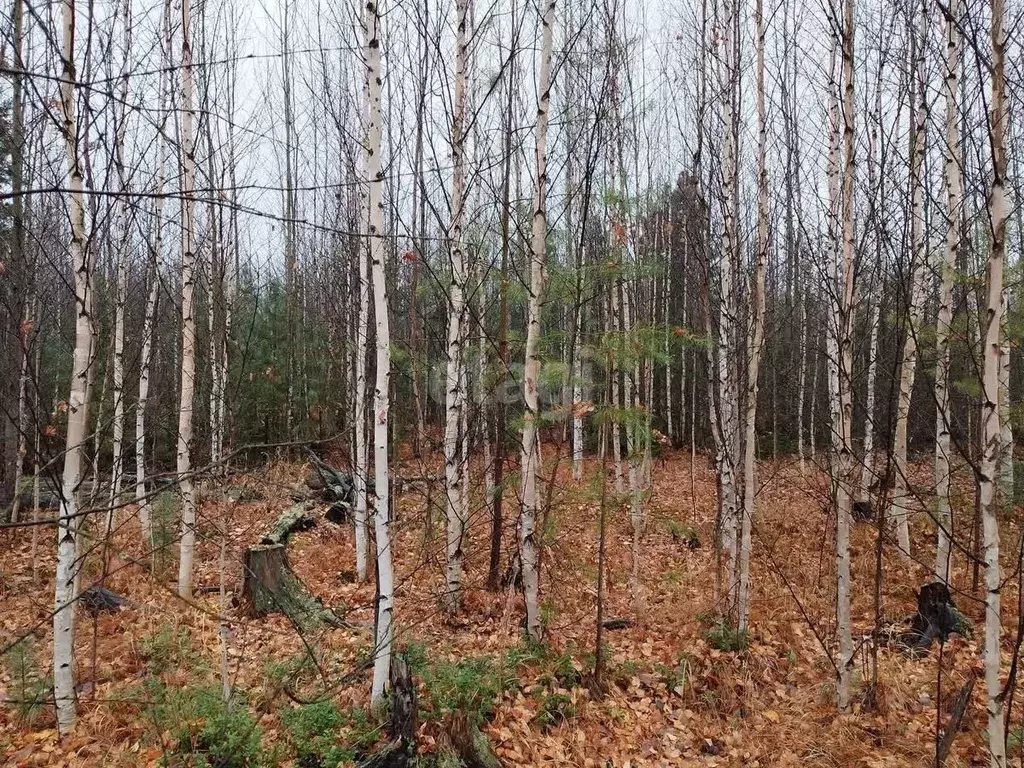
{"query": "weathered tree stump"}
(937, 616)
(400, 749)
(470, 743)
(269, 585)
(99, 600)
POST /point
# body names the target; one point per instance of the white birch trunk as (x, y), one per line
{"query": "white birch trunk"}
(454, 379)
(188, 320)
(149, 321)
(78, 405)
(801, 395)
(997, 213)
(19, 457)
(123, 237)
(867, 474)
(844, 488)
(145, 360)
(384, 634)
(954, 194)
(899, 511)
(727, 384)
(831, 287)
(528, 544)
(361, 472)
(757, 334)
(669, 422)
(1004, 472)
(868, 469)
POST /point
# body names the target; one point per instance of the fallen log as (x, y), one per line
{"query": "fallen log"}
(295, 518)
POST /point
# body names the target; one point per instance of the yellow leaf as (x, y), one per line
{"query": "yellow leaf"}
(771, 714)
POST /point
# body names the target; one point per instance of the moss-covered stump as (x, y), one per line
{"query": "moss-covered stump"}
(470, 743)
(270, 586)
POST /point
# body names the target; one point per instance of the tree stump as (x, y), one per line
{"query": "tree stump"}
(269, 585)
(400, 750)
(99, 600)
(937, 616)
(470, 743)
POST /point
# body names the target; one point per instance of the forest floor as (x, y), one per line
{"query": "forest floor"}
(676, 695)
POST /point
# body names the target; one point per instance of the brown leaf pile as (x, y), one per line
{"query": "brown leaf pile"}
(672, 698)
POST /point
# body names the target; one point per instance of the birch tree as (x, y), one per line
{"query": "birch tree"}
(992, 350)
(757, 333)
(78, 404)
(728, 395)
(528, 543)
(454, 389)
(1004, 471)
(122, 238)
(188, 320)
(953, 175)
(384, 633)
(153, 274)
(360, 474)
(844, 495)
(899, 511)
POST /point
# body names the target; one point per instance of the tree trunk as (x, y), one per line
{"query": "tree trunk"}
(899, 509)
(528, 541)
(727, 379)
(188, 320)
(381, 398)
(1004, 470)
(149, 320)
(78, 404)
(360, 472)
(17, 242)
(757, 334)
(454, 380)
(123, 236)
(844, 488)
(997, 212)
(954, 194)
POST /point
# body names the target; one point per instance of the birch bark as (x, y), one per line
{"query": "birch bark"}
(188, 320)
(529, 546)
(997, 213)
(954, 195)
(384, 633)
(78, 404)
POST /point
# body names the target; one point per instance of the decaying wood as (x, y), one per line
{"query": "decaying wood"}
(268, 583)
(99, 599)
(400, 749)
(470, 743)
(295, 518)
(956, 717)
